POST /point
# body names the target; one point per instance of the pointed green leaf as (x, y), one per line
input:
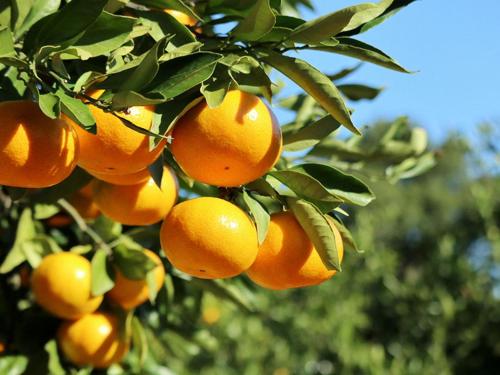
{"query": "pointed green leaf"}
(102, 273)
(318, 229)
(26, 231)
(358, 92)
(309, 135)
(259, 215)
(327, 26)
(216, 87)
(315, 83)
(258, 22)
(362, 51)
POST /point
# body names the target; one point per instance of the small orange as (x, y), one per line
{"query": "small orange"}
(2, 347)
(35, 151)
(233, 144)
(93, 340)
(117, 149)
(59, 220)
(140, 204)
(129, 293)
(209, 238)
(210, 315)
(287, 258)
(61, 285)
(124, 179)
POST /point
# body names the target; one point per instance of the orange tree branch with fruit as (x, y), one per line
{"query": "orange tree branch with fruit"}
(142, 167)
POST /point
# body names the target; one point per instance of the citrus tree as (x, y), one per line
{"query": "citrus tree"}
(142, 167)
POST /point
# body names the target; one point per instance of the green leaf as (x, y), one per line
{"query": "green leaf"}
(411, 167)
(125, 99)
(102, 273)
(106, 34)
(78, 111)
(166, 115)
(357, 92)
(327, 26)
(139, 340)
(13, 364)
(179, 75)
(315, 83)
(319, 231)
(54, 366)
(362, 51)
(50, 105)
(26, 231)
(259, 215)
(309, 135)
(6, 42)
(179, 5)
(156, 170)
(344, 186)
(44, 211)
(216, 87)
(258, 22)
(133, 263)
(106, 228)
(152, 287)
(38, 10)
(65, 26)
(164, 25)
(304, 185)
(38, 247)
(252, 78)
(347, 238)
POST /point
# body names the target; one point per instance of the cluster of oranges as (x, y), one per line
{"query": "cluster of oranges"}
(206, 237)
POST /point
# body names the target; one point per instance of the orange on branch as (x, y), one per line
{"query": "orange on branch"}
(209, 238)
(35, 151)
(287, 258)
(93, 340)
(230, 145)
(61, 284)
(140, 204)
(129, 293)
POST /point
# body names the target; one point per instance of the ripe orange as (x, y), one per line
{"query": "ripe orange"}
(35, 151)
(61, 285)
(124, 179)
(140, 204)
(209, 238)
(287, 258)
(117, 149)
(181, 17)
(93, 340)
(230, 145)
(129, 293)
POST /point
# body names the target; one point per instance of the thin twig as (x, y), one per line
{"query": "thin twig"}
(83, 225)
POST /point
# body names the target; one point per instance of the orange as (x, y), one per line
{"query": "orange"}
(209, 238)
(117, 149)
(230, 145)
(124, 179)
(181, 17)
(35, 151)
(61, 285)
(210, 315)
(93, 340)
(59, 220)
(2, 347)
(129, 293)
(287, 258)
(139, 204)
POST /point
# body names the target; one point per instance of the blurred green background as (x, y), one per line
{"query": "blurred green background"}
(423, 298)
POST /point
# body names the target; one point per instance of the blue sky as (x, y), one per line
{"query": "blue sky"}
(453, 44)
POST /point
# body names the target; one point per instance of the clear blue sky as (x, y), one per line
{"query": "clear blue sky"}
(455, 47)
